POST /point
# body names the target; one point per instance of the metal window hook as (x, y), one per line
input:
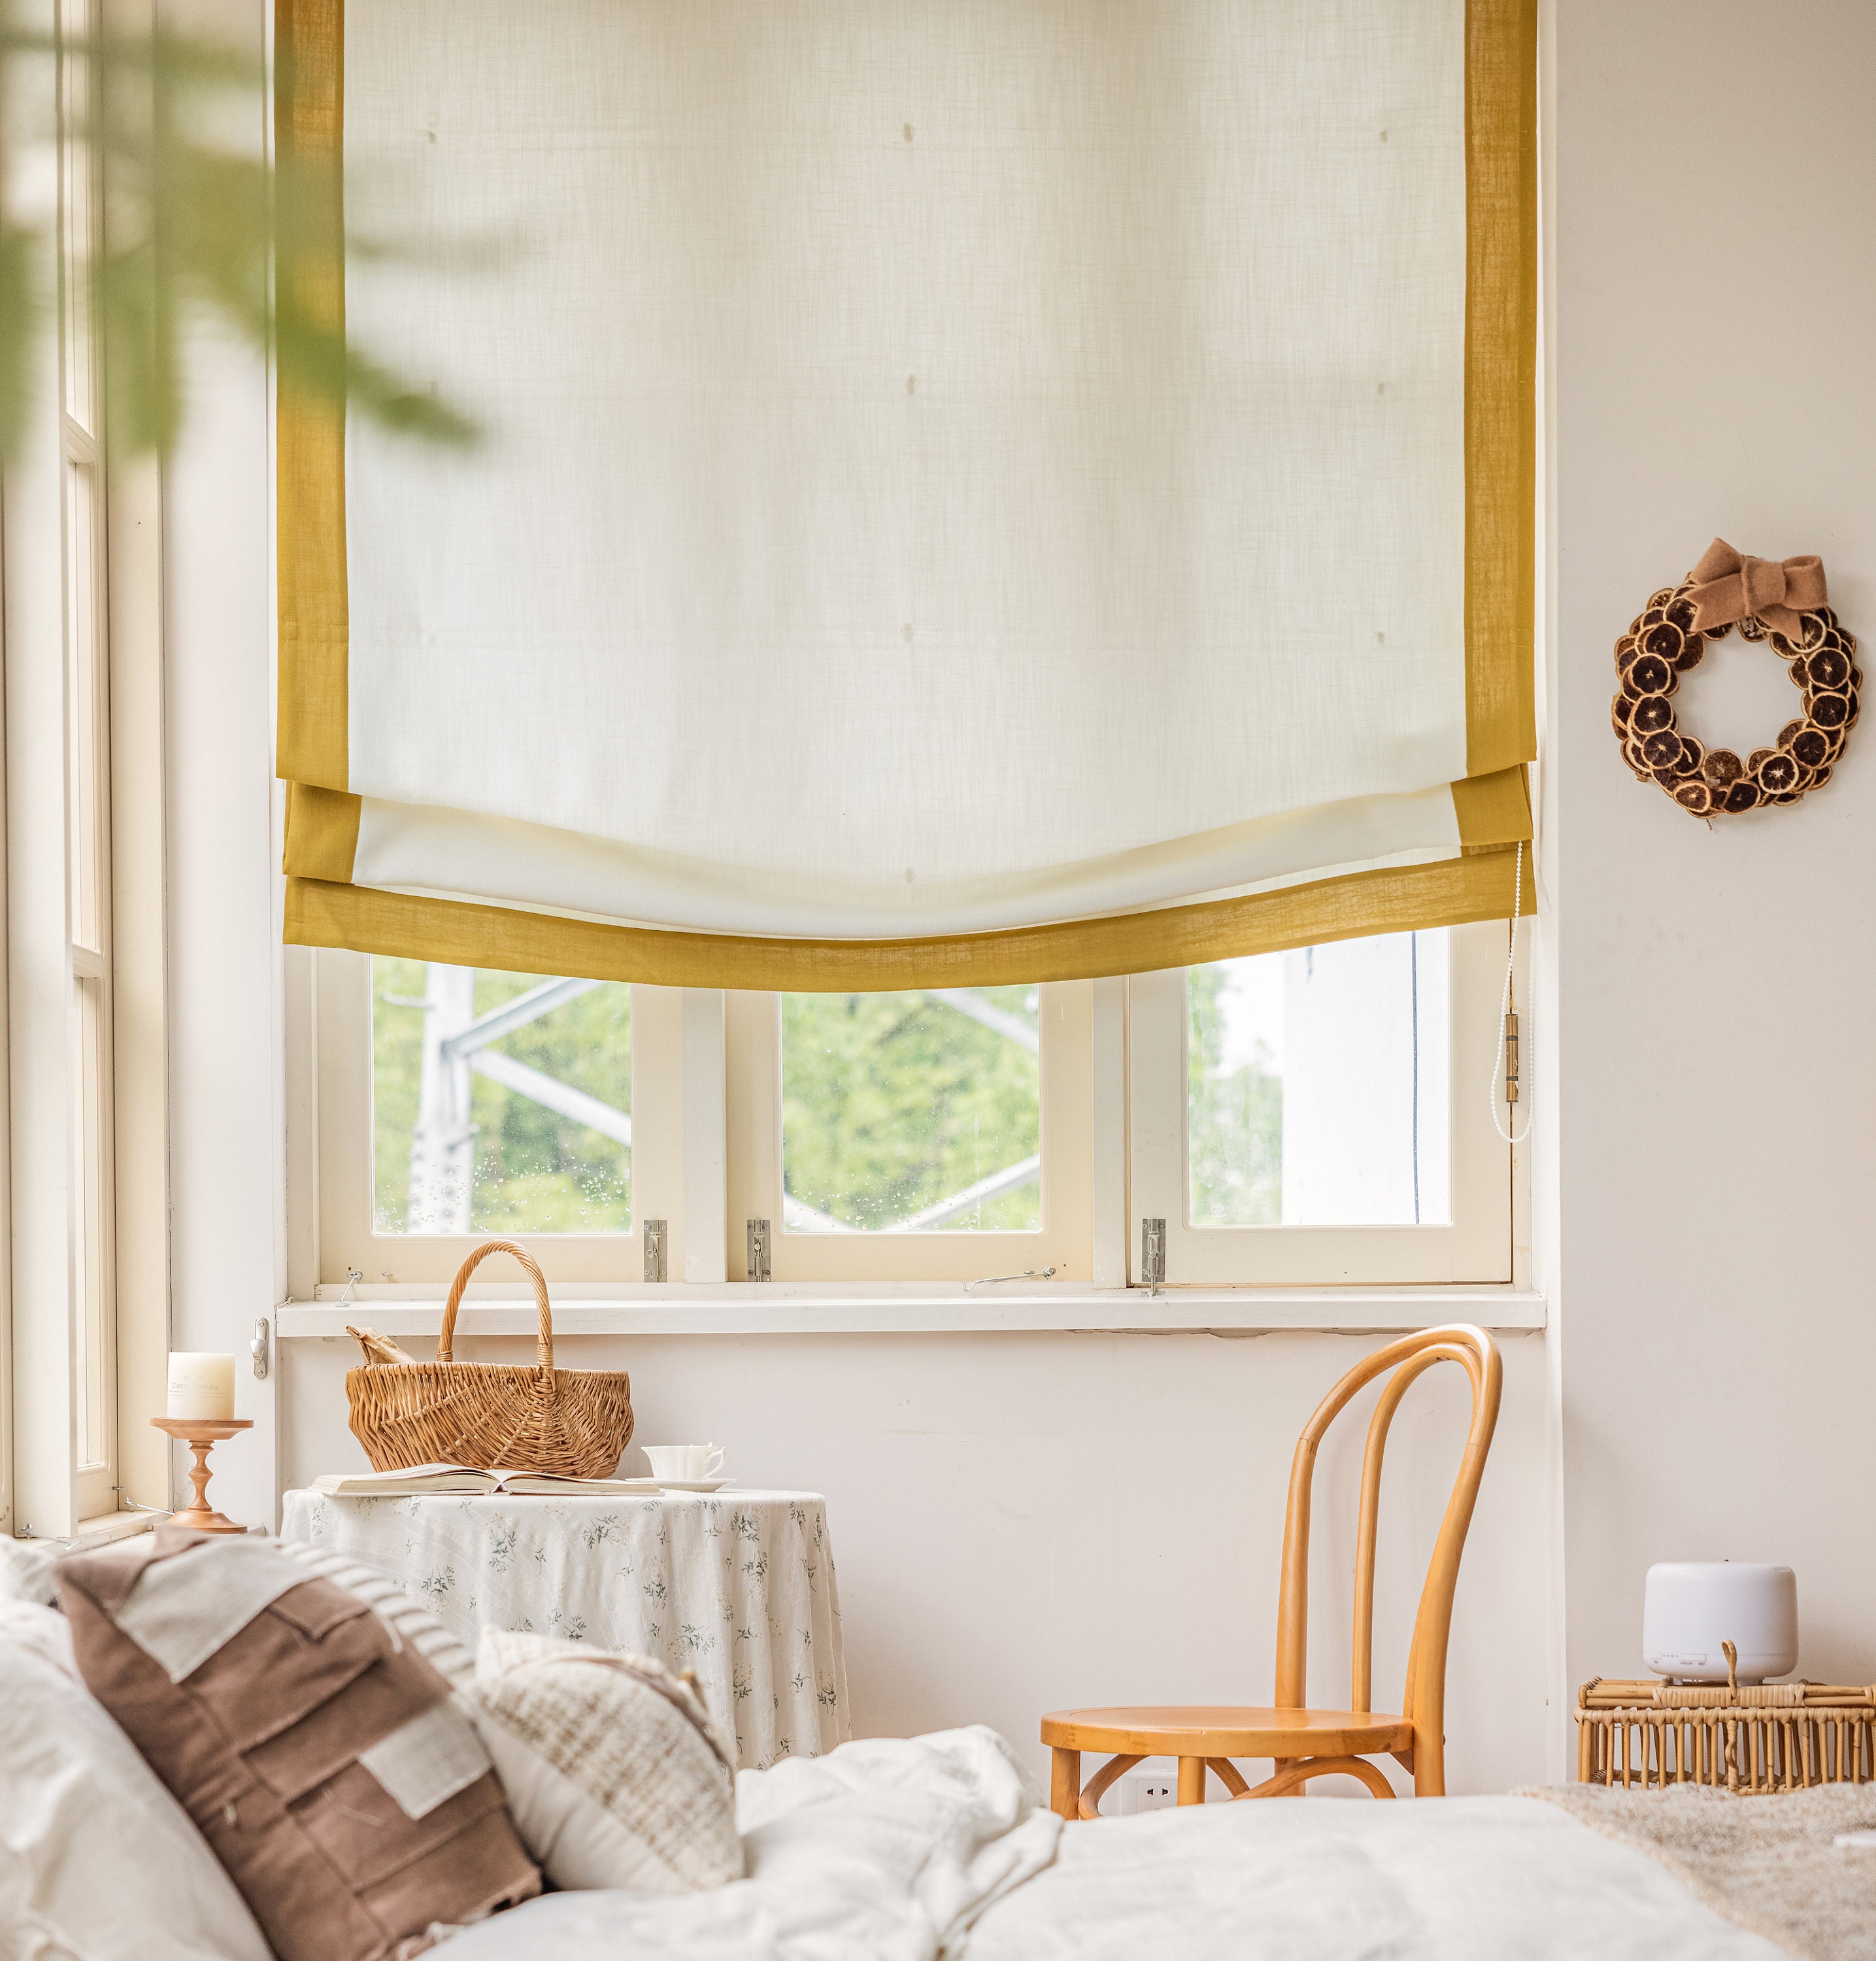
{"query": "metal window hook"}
(998, 1280)
(352, 1276)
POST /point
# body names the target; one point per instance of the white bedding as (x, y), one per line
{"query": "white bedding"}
(939, 1847)
(1347, 1879)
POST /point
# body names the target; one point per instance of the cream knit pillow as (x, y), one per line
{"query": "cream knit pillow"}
(612, 1770)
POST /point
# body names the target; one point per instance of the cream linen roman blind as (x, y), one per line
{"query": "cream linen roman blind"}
(969, 490)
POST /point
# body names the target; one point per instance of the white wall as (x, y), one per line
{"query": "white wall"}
(1024, 1522)
(1714, 290)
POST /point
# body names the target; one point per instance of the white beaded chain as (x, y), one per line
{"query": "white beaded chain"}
(1504, 1012)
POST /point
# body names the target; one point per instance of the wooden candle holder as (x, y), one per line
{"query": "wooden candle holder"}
(202, 1434)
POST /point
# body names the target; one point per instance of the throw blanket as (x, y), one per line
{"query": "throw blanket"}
(938, 1849)
(881, 1851)
(1768, 1863)
(1328, 1879)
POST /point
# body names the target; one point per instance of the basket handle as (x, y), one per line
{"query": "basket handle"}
(544, 1343)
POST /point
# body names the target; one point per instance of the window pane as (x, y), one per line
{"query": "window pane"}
(1318, 1085)
(501, 1102)
(91, 1275)
(80, 213)
(912, 1113)
(83, 705)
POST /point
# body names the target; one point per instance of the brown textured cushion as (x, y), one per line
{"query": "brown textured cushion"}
(326, 1762)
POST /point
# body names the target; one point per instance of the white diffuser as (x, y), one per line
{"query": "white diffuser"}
(1689, 1609)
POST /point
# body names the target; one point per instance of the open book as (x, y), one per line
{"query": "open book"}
(445, 1481)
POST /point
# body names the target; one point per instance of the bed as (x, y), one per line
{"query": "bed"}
(939, 1847)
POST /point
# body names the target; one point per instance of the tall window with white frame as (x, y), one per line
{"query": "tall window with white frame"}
(87, 770)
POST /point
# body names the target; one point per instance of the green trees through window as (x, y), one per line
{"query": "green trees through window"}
(1234, 1105)
(546, 1104)
(911, 1112)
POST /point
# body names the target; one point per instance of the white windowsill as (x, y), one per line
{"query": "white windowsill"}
(110, 1525)
(741, 1307)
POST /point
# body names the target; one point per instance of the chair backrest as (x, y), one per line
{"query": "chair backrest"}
(1423, 1701)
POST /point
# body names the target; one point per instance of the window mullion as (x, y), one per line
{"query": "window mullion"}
(707, 1231)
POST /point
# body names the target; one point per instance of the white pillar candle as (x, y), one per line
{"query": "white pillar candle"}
(202, 1386)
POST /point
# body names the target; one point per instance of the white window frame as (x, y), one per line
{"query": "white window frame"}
(1474, 1248)
(706, 1121)
(86, 1184)
(91, 1008)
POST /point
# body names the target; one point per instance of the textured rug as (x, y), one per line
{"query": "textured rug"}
(1768, 1863)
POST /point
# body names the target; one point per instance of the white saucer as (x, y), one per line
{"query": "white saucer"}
(650, 1487)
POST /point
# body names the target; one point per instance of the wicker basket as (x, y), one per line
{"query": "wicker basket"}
(573, 1423)
(1779, 1736)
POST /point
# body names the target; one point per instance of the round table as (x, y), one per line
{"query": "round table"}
(739, 1587)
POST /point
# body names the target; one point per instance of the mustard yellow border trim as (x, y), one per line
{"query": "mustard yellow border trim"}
(1494, 809)
(309, 498)
(1500, 381)
(322, 834)
(1477, 886)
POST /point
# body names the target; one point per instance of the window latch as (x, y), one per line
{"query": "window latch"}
(1153, 1252)
(654, 1230)
(258, 1348)
(757, 1258)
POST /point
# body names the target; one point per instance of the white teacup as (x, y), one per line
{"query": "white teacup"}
(685, 1463)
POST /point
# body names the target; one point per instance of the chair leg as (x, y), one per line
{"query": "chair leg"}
(1429, 1762)
(1192, 1780)
(1064, 1790)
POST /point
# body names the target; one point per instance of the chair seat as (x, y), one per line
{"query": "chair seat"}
(1225, 1730)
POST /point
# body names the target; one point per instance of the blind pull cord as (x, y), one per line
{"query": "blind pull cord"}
(1508, 1063)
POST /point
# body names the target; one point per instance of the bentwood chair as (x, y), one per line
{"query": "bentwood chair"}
(1306, 1742)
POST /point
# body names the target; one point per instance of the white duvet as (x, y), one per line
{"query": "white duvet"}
(939, 1849)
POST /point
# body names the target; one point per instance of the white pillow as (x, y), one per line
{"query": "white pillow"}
(613, 1772)
(97, 1859)
(26, 1570)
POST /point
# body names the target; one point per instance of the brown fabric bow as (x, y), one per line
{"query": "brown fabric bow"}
(1726, 586)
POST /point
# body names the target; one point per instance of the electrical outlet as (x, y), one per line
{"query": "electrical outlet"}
(1148, 1791)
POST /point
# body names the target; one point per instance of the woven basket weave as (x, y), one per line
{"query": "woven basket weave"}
(572, 1423)
(1779, 1736)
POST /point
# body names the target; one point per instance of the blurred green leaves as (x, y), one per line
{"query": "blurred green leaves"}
(197, 229)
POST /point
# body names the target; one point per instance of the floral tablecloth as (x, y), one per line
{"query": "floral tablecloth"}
(739, 1587)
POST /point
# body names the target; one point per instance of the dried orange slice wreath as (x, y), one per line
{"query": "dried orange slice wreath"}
(1664, 643)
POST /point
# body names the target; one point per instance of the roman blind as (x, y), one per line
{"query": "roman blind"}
(967, 490)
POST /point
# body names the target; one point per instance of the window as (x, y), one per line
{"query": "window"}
(501, 1103)
(1318, 1086)
(1320, 1116)
(1307, 1117)
(473, 1104)
(938, 1135)
(87, 1200)
(917, 1112)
